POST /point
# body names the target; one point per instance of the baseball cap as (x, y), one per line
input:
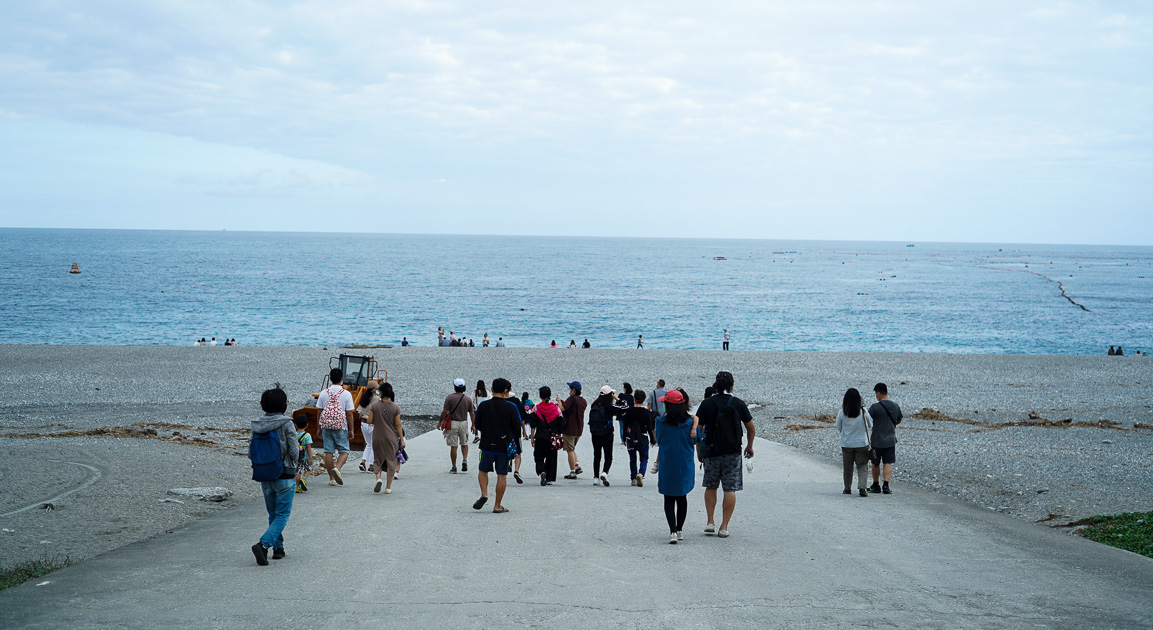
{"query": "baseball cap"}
(607, 390)
(575, 385)
(673, 396)
(459, 383)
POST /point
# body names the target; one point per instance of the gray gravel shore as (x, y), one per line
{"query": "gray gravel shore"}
(968, 451)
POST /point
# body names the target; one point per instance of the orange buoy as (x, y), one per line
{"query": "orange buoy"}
(75, 268)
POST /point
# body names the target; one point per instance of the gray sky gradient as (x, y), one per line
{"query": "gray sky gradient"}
(899, 120)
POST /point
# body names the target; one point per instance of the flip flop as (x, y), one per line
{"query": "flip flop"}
(479, 503)
(500, 511)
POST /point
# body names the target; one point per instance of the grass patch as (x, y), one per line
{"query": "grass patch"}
(1132, 531)
(30, 570)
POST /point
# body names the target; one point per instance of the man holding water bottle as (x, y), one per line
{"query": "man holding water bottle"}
(722, 416)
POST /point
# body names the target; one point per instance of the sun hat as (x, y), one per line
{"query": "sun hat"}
(607, 390)
(459, 383)
(673, 396)
(575, 385)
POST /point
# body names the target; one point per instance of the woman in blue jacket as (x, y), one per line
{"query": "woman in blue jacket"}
(676, 434)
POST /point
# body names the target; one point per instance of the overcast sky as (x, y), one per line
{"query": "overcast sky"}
(994, 121)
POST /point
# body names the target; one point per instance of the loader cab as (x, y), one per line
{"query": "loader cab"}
(358, 371)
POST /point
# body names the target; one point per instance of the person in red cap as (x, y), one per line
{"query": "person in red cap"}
(676, 433)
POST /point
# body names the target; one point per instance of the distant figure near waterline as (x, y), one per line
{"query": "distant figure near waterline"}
(500, 342)
(725, 345)
(1111, 351)
(640, 342)
(586, 345)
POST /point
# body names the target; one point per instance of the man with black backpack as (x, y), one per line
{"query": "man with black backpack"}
(722, 416)
(274, 454)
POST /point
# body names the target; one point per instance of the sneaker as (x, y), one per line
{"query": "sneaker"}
(543, 479)
(396, 475)
(298, 490)
(278, 553)
(261, 553)
(605, 480)
(672, 540)
(597, 481)
(886, 490)
(549, 483)
(875, 488)
(654, 469)
(331, 482)
(724, 533)
(479, 503)
(578, 470)
(303, 484)
(680, 535)
(363, 467)
(640, 481)
(516, 475)
(388, 490)
(710, 529)
(863, 493)
(570, 476)
(476, 440)
(336, 475)
(464, 466)
(634, 483)
(452, 470)
(377, 485)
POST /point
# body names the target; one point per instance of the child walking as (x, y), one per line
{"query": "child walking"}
(304, 443)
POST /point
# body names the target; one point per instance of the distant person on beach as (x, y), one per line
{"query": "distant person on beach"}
(363, 410)
(547, 436)
(637, 429)
(479, 395)
(304, 452)
(586, 345)
(1120, 352)
(602, 411)
(281, 488)
(724, 417)
(573, 409)
(553, 344)
(886, 415)
(572, 344)
(853, 425)
(336, 424)
(439, 336)
(484, 341)
(500, 342)
(387, 437)
(213, 342)
(1111, 351)
(404, 342)
(498, 421)
(640, 342)
(725, 345)
(461, 410)
(676, 432)
(451, 338)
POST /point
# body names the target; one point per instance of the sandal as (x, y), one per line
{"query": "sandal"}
(363, 468)
(500, 511)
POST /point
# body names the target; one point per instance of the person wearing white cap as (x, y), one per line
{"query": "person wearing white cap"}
(601, 414)
(459, 408)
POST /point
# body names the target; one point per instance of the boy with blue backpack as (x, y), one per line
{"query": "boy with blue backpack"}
(273, 451)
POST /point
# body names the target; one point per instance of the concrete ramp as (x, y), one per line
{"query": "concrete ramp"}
(572, 555)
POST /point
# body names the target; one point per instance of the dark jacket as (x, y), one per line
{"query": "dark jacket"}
(574, 415)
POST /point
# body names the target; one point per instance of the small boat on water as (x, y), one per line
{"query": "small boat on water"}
(75, 268)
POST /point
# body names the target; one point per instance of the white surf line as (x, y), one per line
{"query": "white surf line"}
(95, 477)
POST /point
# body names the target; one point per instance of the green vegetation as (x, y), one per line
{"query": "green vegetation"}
(30, 570)
(1132, 531)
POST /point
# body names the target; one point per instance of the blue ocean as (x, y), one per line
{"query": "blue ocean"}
(173, 287)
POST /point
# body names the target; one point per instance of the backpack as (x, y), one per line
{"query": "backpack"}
(333, 416)
(264, 451)
(600, 422)
(724, 436)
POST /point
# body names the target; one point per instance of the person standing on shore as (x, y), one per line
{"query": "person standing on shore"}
(336, 424)
(498, 422)
(886, 415)
(676, 435)
(573, 409)
(546, 422)
(601, 414)
(725, 345)
(721, 417)
(274, 431)
(387, 437)
(500, 342)
(439, 336)
(640, 342)
(461, 410)
(484, 341)
(853, 425)
(636, 431)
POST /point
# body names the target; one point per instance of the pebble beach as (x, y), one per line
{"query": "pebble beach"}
(103, 432)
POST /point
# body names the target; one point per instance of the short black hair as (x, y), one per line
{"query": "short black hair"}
(723, 383)
(639, 396)
(660, 382)
(336, 375)
(501, 386)
(881, 388)
(274, 400)
(300, 420)
(460, 388)
(545, 393)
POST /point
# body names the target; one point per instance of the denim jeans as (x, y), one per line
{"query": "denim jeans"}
(643, 451)
(278, 501)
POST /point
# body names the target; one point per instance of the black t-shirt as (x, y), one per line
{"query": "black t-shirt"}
(498, 421)
(707, 412)
(637, 421)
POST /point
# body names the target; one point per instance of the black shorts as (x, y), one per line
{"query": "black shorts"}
(885, 454)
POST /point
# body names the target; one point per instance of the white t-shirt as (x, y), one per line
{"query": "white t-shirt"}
(345, 397)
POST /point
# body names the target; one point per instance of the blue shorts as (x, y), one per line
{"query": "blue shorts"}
(335, 440)
(490, 461)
